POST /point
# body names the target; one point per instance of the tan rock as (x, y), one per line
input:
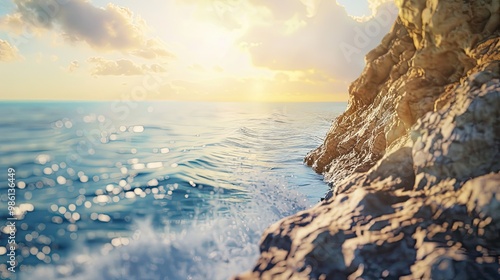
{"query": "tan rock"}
(412, 72)
(415, 160)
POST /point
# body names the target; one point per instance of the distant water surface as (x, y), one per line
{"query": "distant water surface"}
(154, 190)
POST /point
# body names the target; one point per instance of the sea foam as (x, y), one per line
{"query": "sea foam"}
(213, 248)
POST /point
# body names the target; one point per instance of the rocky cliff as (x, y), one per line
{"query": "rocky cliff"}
(414, 162)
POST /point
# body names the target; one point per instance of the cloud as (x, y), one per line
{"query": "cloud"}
(284, 86)
(311, 6)
(109, 28)
(330, 40)
(7, 52)
(122, 67)
(375, 4)
(301, 35)
(73, 66)
(363, 10)
(12, 23)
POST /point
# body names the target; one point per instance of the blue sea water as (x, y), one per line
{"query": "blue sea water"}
(152, 190)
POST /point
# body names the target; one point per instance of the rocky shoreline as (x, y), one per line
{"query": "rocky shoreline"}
(414, 162)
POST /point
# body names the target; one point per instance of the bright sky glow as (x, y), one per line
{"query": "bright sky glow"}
(217, 50)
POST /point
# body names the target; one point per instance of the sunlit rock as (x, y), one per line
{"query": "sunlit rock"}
(414, 162)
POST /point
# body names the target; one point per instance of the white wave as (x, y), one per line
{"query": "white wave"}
(217, 248)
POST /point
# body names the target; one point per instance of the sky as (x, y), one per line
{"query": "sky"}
(189, 50)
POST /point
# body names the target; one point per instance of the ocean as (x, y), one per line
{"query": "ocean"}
(151, 190)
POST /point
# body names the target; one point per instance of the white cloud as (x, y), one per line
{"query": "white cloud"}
(311, 6)
(73, 66)
(300, 35)
(8, 52)
(12, 23)
(109, 28)
(330, 41)
(122, 67)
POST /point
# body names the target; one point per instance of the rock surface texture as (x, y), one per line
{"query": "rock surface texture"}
(414, 162)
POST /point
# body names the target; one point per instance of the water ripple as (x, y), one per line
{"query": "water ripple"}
(91, 177)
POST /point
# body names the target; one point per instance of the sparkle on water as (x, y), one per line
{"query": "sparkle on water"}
(175, 190)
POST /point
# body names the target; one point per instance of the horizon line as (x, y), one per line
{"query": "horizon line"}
(158, 100)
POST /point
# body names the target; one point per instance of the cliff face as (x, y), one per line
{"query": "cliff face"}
(430, 48)
(414, 161)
